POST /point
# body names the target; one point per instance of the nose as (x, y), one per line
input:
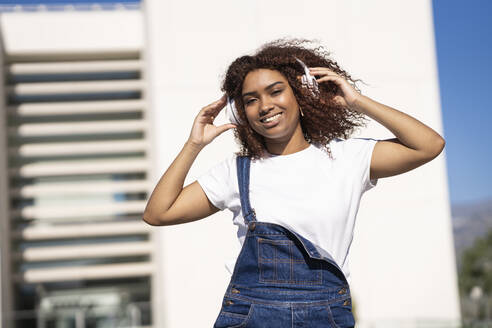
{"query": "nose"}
(266, 106)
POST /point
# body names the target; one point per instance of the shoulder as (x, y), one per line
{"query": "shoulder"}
(218, 182)
(221, 170)
(227, 164)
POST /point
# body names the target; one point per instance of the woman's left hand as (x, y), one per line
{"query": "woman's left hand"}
(346, 94)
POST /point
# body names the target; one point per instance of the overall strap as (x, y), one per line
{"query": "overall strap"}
(243, 165)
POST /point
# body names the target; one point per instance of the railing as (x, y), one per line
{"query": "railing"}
(134, 315)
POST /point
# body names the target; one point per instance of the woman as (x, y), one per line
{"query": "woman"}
(295, 185)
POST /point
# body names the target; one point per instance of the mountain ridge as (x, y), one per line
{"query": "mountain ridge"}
(470, 220)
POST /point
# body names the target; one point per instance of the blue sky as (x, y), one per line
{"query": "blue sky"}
(465, 75)
(464, 45)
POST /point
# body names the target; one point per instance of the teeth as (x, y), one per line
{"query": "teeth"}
(271, 118)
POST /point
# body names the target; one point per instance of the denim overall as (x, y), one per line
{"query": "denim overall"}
(280, 279)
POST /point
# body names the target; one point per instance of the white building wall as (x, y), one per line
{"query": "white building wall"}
(402, 259)
(78, 31)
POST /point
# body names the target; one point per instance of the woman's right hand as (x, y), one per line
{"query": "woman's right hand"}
(204, 130)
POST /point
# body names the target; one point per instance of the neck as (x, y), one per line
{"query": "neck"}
(289, 146)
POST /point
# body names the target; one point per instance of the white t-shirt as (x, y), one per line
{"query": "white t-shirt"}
(308, 192)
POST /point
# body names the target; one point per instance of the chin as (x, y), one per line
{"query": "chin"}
(279, 135)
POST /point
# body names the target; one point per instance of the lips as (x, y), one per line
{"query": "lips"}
(271, 120)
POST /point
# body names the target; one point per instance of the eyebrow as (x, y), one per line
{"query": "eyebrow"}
(268, 87)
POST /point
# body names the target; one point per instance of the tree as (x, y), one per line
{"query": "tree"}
(476, 266)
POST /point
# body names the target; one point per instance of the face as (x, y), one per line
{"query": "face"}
(271, 107)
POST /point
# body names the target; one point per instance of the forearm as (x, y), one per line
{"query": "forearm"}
(410, 131)
(171, 183)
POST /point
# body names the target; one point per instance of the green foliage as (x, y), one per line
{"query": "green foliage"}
(476, 266)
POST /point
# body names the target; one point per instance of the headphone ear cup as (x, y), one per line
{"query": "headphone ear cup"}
(232, 113)
(308, 80)
(315, 85)
(310, 83)
(304, 81)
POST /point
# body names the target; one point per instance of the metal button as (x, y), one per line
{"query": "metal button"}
(342, 291)
(229, 302)
(252, 226)
(347, 302)
(234, 291)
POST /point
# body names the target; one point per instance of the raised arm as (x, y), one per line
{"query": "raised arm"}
(170, 203)
(415, 143)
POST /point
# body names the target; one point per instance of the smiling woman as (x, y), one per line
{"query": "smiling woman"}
(295, 186)
(278, 61)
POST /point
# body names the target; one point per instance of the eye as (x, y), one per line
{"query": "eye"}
(276, 92)
(249, 101)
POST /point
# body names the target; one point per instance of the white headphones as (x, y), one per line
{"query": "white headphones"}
(231, 112)
(307, 80)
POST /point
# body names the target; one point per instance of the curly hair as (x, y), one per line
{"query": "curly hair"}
(323, 119)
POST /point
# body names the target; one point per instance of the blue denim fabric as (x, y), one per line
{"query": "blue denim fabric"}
(280, 279)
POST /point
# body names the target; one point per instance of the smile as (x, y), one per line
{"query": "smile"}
(271, 119)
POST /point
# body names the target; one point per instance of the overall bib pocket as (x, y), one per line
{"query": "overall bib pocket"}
(281, 261)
